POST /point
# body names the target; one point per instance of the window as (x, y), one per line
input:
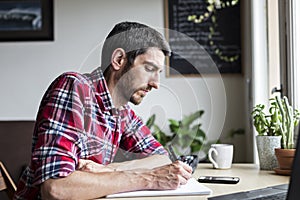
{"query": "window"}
(289, 19)
(289, 48)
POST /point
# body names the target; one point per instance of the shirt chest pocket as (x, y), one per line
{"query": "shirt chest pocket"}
(102, 140)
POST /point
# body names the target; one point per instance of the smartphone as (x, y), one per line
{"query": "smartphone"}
(219, 179)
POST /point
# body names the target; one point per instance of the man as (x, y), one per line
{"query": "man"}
(84, 119)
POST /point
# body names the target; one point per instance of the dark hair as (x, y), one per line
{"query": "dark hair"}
(135, 39)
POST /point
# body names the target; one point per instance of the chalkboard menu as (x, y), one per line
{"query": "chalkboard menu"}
(205, 36)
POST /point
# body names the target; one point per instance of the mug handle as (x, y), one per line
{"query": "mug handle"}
(212, 150)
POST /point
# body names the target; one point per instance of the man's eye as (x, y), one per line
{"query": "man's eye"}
(149, 68)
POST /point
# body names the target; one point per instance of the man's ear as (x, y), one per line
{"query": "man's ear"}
(118, 58)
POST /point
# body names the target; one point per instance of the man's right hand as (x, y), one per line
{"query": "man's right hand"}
(169, 176)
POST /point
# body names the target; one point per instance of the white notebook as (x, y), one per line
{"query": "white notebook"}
(193, 187)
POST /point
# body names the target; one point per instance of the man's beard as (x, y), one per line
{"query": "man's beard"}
(136, 100)
(139, 97)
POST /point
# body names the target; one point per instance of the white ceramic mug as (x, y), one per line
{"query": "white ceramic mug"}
(220, 155)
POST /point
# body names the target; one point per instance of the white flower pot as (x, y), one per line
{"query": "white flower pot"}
(266, 151)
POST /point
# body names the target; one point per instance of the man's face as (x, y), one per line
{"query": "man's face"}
(143, 75)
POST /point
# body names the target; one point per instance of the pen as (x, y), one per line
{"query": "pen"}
(172, 154)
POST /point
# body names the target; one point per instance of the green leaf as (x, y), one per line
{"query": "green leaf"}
(174, 122)
(200, 136)
(174, 125)
(196, 146)
(160, 136)
(188, 120)
(150, 121)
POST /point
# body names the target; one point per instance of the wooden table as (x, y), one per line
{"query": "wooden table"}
(251, 177)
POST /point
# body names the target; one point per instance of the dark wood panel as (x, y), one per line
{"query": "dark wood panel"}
(15, 145)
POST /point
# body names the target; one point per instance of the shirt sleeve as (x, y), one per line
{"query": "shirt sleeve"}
(58, 128)
(137, 140)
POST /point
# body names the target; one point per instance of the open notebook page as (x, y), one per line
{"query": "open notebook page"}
(193, 187)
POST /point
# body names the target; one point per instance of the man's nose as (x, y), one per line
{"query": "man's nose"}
(154, 82)
(154, 85)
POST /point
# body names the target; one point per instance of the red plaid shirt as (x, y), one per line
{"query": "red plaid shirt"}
(77, 120)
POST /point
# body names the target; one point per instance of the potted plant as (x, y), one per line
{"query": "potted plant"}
(272, 129)
(186, 135)
(268, 137)
(288, 119)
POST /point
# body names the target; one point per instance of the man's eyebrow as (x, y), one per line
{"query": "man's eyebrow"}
(152, 64)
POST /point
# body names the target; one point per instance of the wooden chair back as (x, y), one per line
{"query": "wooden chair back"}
(6, 182)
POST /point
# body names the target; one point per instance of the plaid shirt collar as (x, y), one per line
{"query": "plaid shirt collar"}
(98, 79)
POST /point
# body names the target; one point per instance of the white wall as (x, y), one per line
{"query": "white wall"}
(27, 68)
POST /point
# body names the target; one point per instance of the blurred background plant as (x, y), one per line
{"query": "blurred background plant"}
(185, 135)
